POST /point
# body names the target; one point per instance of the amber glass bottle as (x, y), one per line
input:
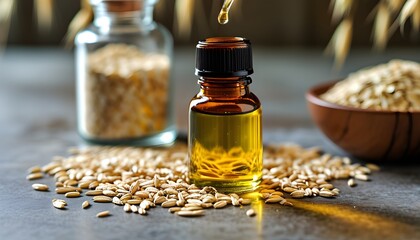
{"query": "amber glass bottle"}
(225, 132)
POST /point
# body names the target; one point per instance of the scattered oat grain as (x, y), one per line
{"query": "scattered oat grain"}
(220, 204)
(72, 195)
(34, 176)
(250, 213)
(102, 199)
(59, 203)
(40, 187)
(34, 169)
(103, 214)
(195, 213)
(85, 204)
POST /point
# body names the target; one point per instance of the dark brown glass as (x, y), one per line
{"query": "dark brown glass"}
(224, 96)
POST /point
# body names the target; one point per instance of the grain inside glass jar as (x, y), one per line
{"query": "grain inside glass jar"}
(126, 95)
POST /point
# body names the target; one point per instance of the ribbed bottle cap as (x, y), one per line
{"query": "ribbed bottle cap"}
(223, 57)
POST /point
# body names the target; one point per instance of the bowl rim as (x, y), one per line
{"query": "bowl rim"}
(313, 97)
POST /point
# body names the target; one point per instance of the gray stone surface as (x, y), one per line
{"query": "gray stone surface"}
(37, 121)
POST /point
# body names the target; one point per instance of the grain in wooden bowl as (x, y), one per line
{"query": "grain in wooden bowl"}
(374, 114)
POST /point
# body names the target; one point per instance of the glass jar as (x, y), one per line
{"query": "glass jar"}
(225, 144)
(123, 62)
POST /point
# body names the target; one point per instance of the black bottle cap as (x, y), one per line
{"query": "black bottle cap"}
(223, 57)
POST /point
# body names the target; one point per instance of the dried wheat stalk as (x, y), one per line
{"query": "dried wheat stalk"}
(6, 10)
(341, 8)
(80, 21)
(43, 10)
(340, 42)
(386, 11)
(381, 26)
(184, 13)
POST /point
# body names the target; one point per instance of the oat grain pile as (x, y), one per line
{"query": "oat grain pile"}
(139, 179)
(393, 86)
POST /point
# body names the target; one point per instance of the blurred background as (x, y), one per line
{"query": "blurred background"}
(38, 114)
(299, 23)
(289, 38)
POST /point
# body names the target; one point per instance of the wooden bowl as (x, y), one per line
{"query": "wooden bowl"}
(368, 134)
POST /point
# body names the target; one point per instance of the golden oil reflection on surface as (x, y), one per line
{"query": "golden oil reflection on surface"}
(376, 224)
(258, 206)
(368, 223)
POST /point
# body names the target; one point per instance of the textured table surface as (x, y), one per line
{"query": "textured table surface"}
(37, 121)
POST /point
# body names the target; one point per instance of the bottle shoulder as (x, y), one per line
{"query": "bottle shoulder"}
(244, 104)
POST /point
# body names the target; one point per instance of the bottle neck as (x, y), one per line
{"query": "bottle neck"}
(224, 87)
(105, 17)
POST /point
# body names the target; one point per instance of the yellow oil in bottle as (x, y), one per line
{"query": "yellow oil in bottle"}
(226, 150)
(223, 17)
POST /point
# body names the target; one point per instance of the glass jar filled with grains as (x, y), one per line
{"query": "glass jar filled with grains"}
(123, 62)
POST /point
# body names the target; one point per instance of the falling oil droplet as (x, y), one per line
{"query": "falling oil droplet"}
(223, 17)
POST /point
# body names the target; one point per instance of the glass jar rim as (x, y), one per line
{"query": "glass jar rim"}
(122, 5)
